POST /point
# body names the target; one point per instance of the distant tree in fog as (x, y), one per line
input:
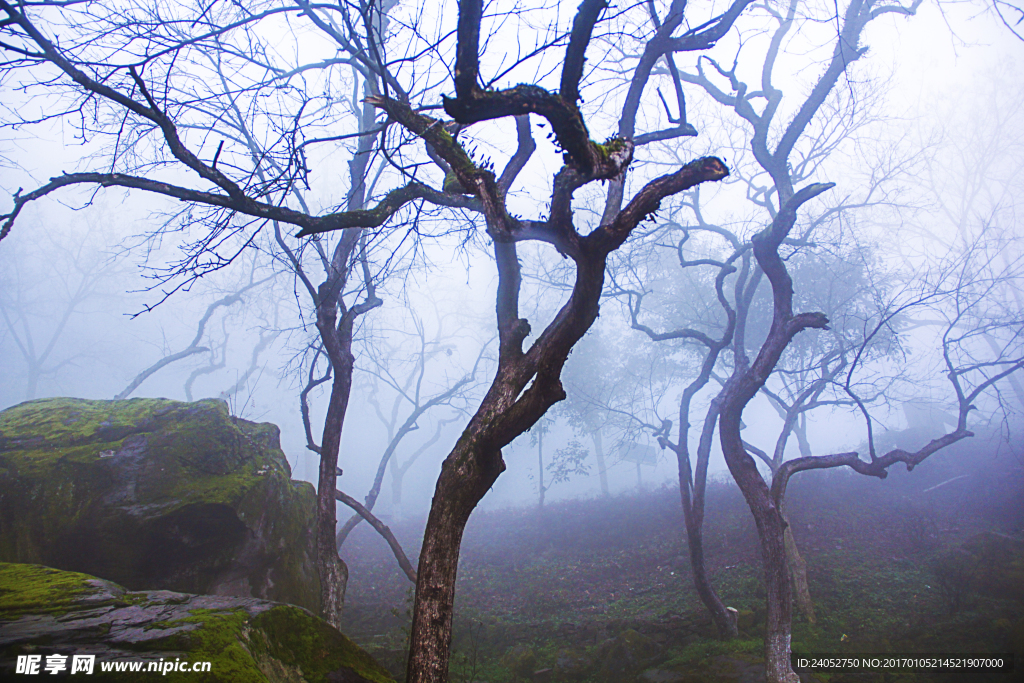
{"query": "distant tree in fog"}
(608, 380)
(568, 461)
(557, 468)
(194, 348)
(77, 276)
(417, 396)
(975, 179)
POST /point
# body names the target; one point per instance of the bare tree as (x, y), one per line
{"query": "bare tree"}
(74, 276)
(527, 381)
(961, 291)
(706, 328)
(976, 174)
(784, 165)
(812, 375)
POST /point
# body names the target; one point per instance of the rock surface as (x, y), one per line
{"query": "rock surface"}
(45, 611)
(156, 494)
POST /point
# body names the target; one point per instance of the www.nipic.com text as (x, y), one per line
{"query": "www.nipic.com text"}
(86, 664)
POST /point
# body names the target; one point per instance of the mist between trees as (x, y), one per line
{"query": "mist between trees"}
(390, 227)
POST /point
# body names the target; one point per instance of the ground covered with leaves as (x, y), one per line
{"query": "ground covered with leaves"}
(600, 590)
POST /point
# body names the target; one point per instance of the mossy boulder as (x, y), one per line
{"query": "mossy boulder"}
(46, 611)
(156, 494)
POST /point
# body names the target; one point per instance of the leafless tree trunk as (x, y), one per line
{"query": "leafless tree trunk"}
(783, 201)
(693, 481)
(527, 382)
(746, 380)
(72, 280)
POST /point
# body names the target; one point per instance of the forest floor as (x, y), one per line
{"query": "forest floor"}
(600, 589)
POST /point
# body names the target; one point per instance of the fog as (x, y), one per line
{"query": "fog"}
(123, 289)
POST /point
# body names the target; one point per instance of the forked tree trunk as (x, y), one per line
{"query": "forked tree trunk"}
(746, 380)
(527, 382)
(694, 495)
(693, 511)
(337, 341)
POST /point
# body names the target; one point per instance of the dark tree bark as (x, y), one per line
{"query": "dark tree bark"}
(782, 201)
(527, 382)
(337, 341)
(746, 380)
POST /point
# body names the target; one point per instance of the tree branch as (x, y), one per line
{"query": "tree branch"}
(383, 530)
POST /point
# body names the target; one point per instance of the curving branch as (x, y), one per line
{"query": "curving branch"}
(157, 366)
(648, 200)
(383, 530)
(192, 349)
(407, 427)
(310, 225)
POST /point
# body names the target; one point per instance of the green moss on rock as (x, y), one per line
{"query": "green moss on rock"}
(244, 639)
(154, 493)
(32, 588)
(312, 646)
